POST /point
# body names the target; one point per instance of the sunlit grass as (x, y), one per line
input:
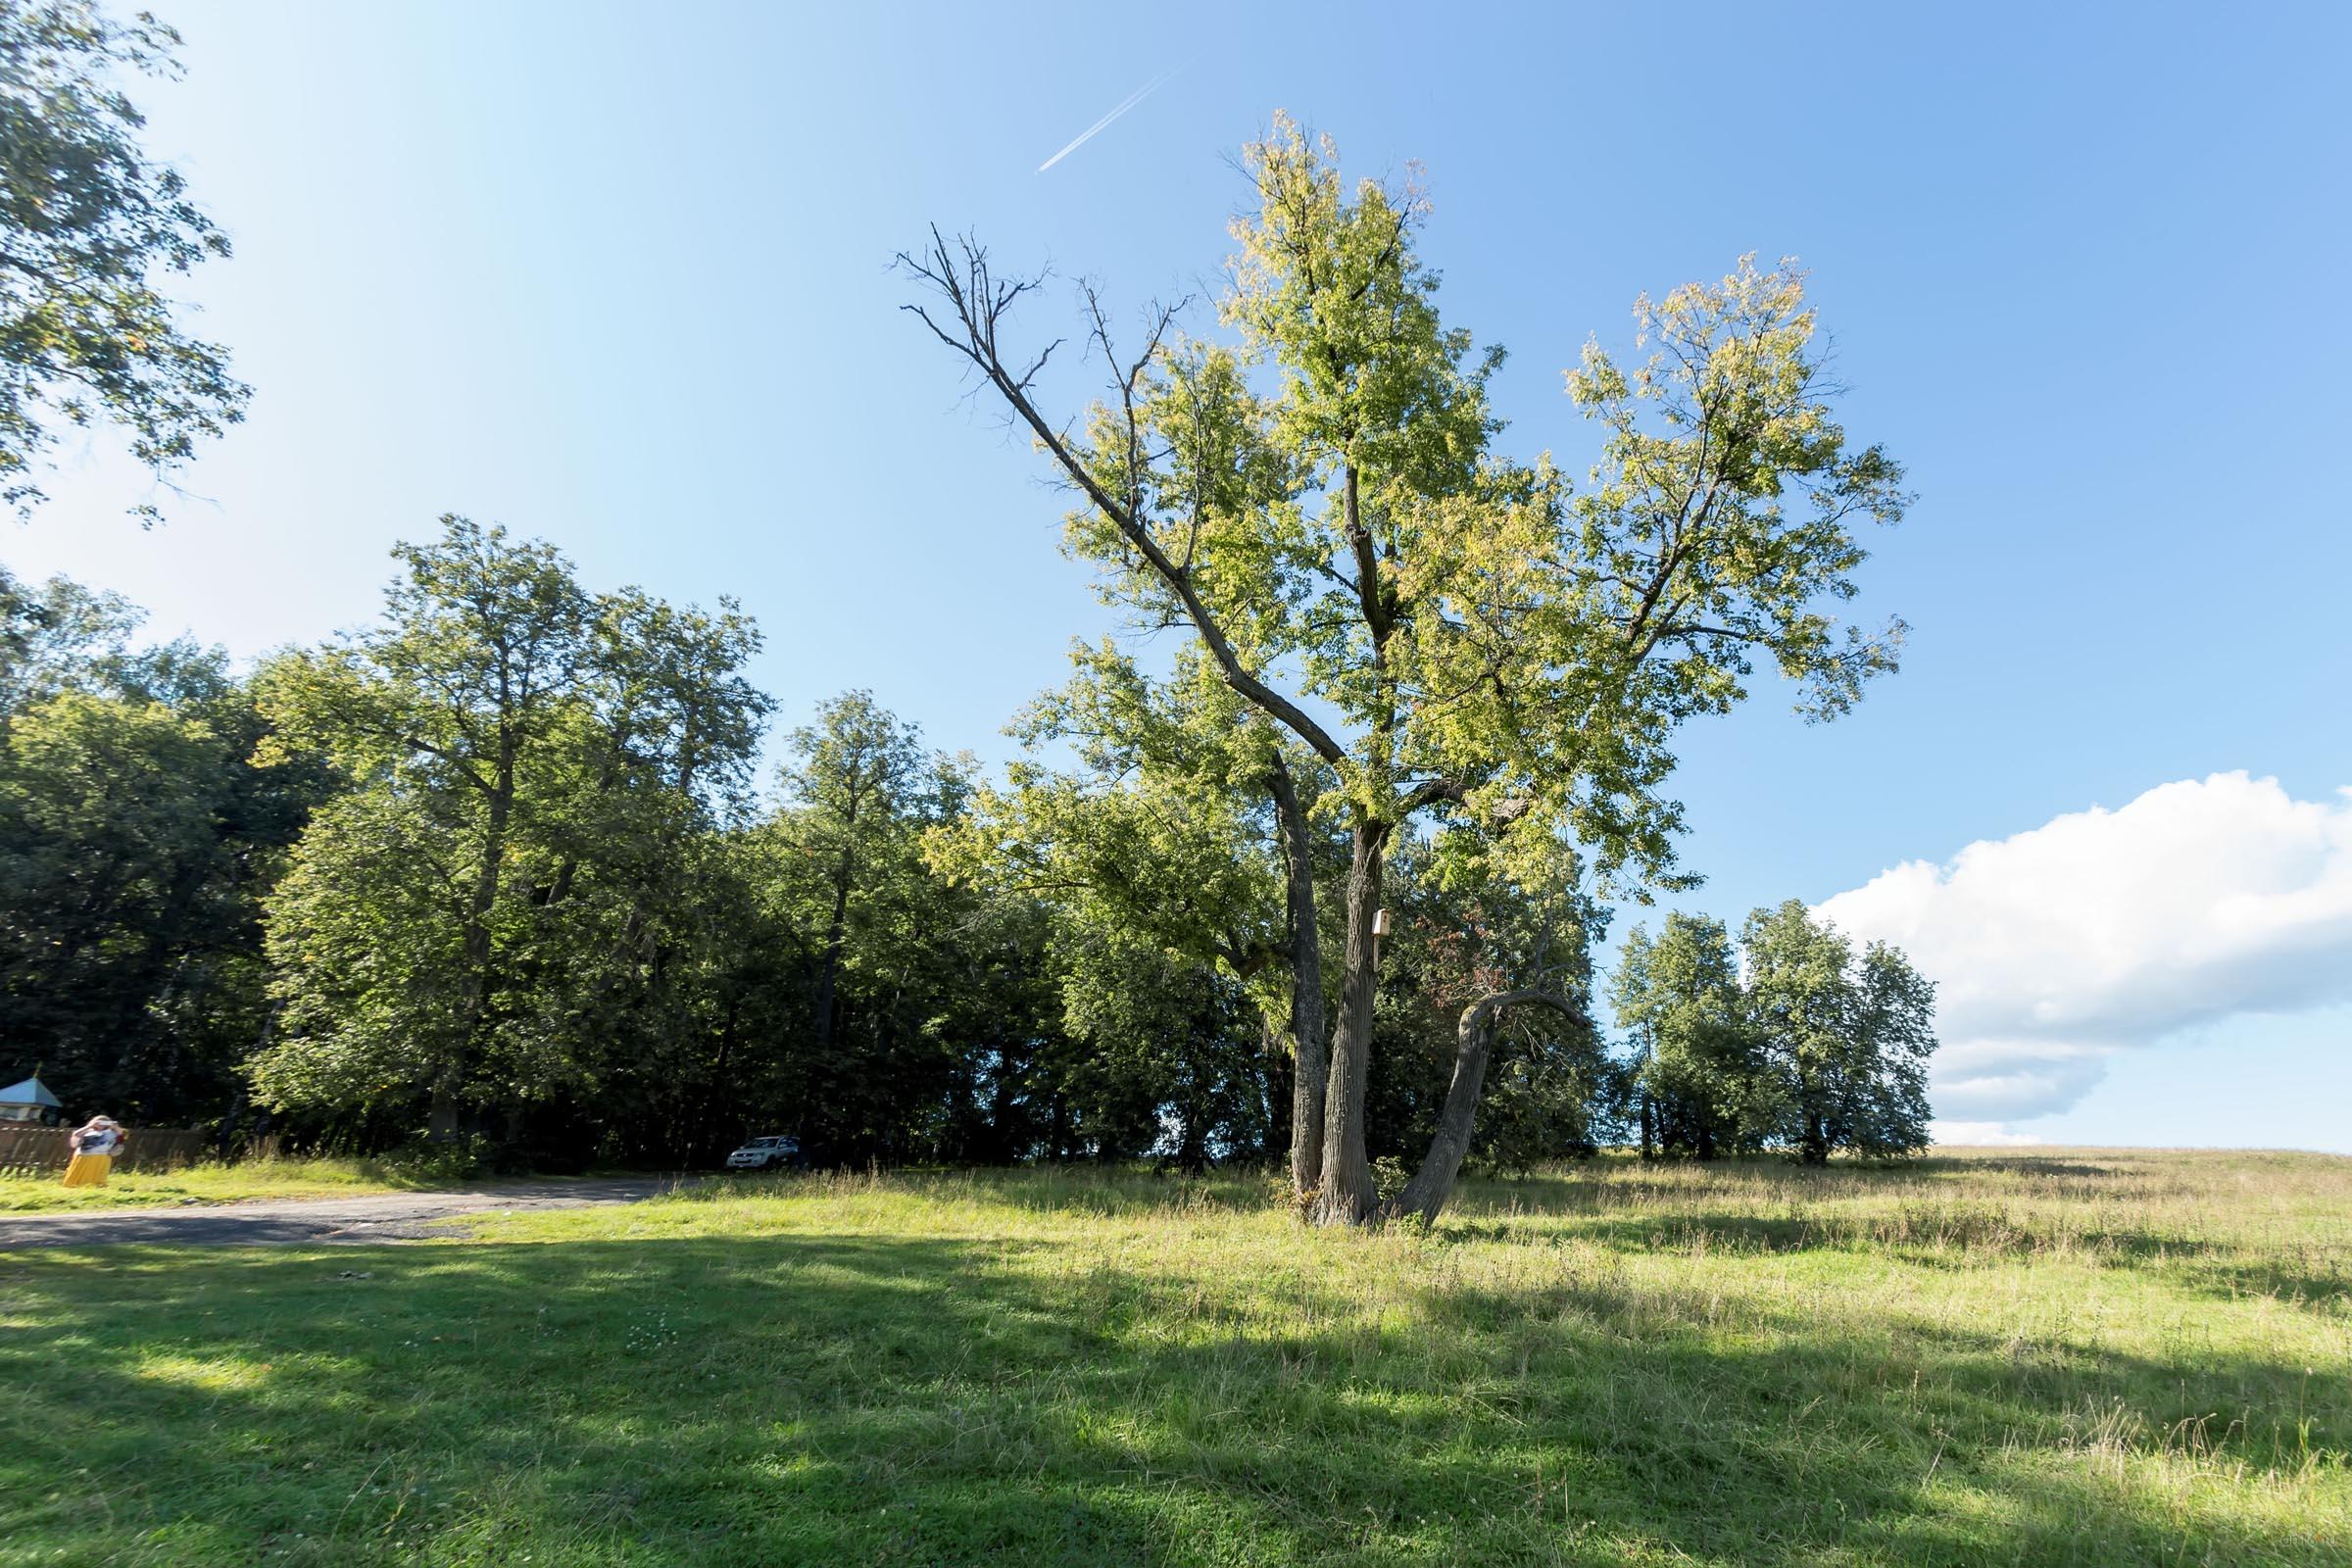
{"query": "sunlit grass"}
(210, 1183)
(2060, 1356)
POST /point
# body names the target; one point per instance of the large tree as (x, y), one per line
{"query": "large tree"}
(54, 634)
(88, 224)
(1319, 502)
(137, 837)
(115, 859)
(502, 879)
(1798, 1044)
(1701, 1084)
(1176, 821)
(1848, 1035)
(896, 1047)
(860, 792)
(1169, 1058)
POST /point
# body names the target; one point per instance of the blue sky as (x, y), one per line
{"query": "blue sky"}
(622, 280)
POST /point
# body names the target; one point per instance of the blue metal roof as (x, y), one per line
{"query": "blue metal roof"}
(32, 1091)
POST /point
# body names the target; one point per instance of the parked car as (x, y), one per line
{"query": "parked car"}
(779, 1153)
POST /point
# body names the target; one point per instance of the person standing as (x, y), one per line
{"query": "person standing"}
(94, 1144)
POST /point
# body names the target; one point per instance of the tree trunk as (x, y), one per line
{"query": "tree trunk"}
(1311, 1059)
(1813, 1144)
(239, 1100)
(1347, 1195)
(1282, 1067)
(474, 999)
(1474, 1047)
(1192, 1144)
(828, 978)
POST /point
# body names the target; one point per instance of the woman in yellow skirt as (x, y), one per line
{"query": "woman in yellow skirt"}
(94, 1145)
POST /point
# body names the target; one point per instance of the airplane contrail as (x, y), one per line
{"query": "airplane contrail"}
(1125, 104)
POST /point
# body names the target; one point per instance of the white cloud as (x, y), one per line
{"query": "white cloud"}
(2102, 930)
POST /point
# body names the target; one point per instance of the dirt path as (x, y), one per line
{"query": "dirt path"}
(385, 1216)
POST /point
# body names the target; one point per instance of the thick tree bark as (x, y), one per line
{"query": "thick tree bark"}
(1474, 1049)
(1310, 1053)
(1348, 1197)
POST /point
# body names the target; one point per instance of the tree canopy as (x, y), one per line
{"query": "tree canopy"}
(89, 225)
(491, 874)
(489, 879)
(1798, 1044)
(1319, 499)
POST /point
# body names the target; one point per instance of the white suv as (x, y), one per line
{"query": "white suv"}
(766, 1153)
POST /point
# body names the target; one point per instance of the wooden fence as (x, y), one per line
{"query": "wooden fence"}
(30, 1150)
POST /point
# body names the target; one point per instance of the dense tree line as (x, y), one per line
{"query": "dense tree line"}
(139, 838)
(1796, 1042)
(491, 876)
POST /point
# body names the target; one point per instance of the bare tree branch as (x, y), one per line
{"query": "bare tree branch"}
(980, 302)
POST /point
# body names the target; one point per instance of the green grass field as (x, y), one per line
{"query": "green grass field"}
(2085, 1356)
(203, 1184)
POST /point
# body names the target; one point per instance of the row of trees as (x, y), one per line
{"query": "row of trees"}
(492, 869)
(138, 837)
(490, 872)
(1796, 1042)
(489, 875)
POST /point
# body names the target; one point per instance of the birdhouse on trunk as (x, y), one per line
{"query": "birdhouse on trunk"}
(32, 1102)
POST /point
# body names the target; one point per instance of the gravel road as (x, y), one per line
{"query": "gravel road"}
(387, 1216)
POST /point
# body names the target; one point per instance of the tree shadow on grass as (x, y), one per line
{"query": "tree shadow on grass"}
(2011, 1165)
(1096, 1190)
(1620, 1182)
(2316, 1278)
(1921, 1230)
(2316, 1275)
(858, 1398)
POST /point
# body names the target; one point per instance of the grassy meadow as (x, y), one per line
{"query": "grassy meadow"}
(2089, 1356)
(210, 1183)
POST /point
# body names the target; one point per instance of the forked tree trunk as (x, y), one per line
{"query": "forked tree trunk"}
(1347, 1195)
(1473, 1050)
